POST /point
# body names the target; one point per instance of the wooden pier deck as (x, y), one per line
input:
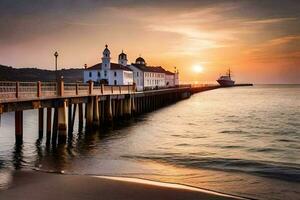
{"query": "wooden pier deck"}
(97, 104)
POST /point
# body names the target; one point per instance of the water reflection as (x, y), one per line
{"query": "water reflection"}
(18, 158)
(207, 131)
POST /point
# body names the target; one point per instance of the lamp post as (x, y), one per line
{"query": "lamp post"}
(56, 55)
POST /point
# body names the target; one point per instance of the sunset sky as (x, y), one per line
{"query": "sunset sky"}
(259, 40)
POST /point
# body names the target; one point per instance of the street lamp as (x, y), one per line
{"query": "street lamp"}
(56, 55)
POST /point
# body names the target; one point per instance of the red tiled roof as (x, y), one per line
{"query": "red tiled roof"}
(113, 66)
(169, 73)
(149, 68)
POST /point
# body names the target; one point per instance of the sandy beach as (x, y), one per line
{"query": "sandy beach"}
(38, 185)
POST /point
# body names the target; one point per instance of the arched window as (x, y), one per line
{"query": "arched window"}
(115, 73)
(90, 74)
(99, 74)
(115, 82)
(105, 73)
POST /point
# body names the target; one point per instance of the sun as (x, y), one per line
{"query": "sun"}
(198, 68)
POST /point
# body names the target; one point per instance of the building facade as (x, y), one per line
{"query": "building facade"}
(145, 77)
(108, 72)
(149, 77)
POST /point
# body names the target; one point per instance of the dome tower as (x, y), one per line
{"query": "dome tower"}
(140, 61)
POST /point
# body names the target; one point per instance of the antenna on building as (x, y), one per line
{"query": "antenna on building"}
(85, 66)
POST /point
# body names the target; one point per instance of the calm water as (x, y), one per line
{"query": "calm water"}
(243, 141)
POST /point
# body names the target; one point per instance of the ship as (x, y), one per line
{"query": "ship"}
(226, 80)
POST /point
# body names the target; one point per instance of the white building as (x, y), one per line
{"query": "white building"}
(108, 72)
(145, 77)
(148, 77)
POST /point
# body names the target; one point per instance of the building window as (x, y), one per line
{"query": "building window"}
(90, 74)
(115, 73)
(115, 82)
(137, 74)
(99, 74)
(105, 73)
(105, 65)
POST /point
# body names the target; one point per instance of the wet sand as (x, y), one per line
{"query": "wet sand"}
(43, 186)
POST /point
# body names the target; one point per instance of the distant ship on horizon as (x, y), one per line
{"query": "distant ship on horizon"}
(226, 80)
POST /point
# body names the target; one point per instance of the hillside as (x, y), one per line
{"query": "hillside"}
(33, 74)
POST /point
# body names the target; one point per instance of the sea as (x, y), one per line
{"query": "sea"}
(243, 141)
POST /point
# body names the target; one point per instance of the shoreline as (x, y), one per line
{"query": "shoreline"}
(44, 185)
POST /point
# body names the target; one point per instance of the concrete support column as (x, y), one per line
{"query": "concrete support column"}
(112, 108)
(125, 107)
(48, 129)
(121, 108)
(62, 123)
(133, 105)
(55, 126)
(19, 127)
(100, 111)
(41, 122)
(89, 112)
(96, 116)
(80, 117)
(129, 106)
(102, 103)
(116, 107)
(108, 109)
(72, 114)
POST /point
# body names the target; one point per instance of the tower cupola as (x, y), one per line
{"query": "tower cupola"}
(123, 59)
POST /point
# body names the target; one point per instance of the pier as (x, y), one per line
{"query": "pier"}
(95, 105)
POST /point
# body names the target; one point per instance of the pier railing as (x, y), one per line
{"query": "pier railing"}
(11, 91)
(33, 90)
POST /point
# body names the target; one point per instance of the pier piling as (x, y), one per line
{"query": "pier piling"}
(41, 122)
(108, 109)
(96, 116)
(19, 127)
(62, 123)
(89, 112)
(55, 126)
(80, 117)
(49, 121)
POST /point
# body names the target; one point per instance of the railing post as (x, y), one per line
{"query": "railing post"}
(112, 89)
(17, 89)
(102, 88)
(91, 85)
(61, 88)
(128, 89)
(120, 89)
(39, 89)
(77, 89)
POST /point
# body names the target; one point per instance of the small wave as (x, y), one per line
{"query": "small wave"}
(264, 150)
(234, 132)
(183, 144)
(275, 170)
(231, 147)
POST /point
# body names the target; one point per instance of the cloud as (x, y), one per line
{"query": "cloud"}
(284, 40)
(271, 20)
